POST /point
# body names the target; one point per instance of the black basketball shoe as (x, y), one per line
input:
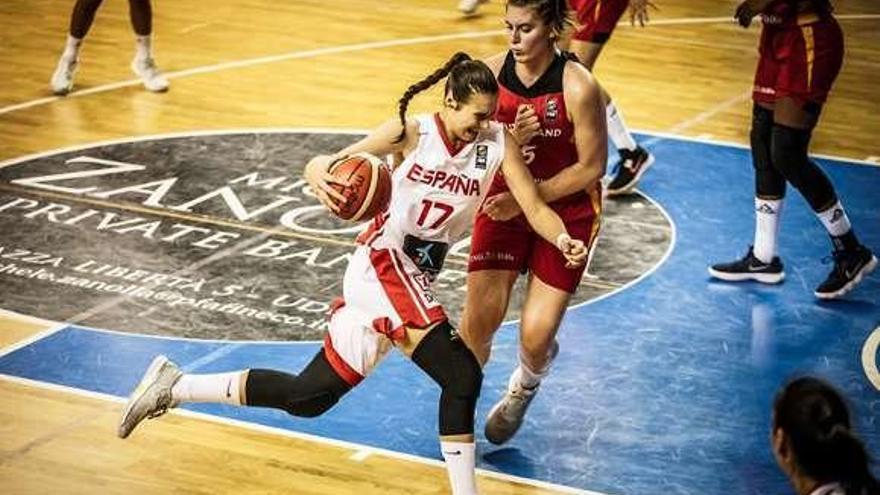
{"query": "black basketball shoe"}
(749, 268)
(850, 267)
(630, 168)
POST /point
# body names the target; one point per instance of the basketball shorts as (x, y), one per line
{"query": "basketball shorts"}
(383, 292)
(800, 62)
(596, 19)
(513, 245)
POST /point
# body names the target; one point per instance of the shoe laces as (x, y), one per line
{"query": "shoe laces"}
(517, 399)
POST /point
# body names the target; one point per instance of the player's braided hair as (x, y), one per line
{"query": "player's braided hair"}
(466, 77)
(554, 13)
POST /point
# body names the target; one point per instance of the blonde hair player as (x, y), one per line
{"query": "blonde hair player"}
(450, 159)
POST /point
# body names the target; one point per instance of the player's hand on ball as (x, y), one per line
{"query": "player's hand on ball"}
(318, 177)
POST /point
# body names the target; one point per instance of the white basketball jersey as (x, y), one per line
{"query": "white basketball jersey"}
(436, 190)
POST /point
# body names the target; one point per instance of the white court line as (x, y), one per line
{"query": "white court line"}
(661, 262)
(358, 448)
(701, 117)
(357, 132)
(733, 144)
(869, 358)
(211, 357)
(172, 135)
(54, 327)
(351, 48)
(360, 455)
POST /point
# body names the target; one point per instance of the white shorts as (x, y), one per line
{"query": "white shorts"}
(383, 292)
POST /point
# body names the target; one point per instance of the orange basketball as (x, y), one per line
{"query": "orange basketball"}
(369, 188)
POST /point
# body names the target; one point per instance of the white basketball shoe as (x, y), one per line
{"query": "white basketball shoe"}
(469, 7)
(62, 78)
(152, 77)
(508, 414)
(152, 397)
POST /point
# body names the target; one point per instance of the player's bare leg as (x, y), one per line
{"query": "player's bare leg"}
(80, 22)
(543, 309)
(143, 65)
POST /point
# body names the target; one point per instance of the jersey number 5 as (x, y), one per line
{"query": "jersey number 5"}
(427, 206)
(528, 153)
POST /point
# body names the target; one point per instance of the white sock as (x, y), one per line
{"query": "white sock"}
(221, 387)
(143, 47)
(835, 220)
(529, 378)
(617, 130)
(71, 48)
(460, 464)
(767, 213)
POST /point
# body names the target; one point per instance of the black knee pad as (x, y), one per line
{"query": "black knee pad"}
(309, 394)
(769, 182)
(789, 155)
(448, 361)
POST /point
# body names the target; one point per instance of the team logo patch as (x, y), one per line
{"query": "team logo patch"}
(482, 156)
(552, 110)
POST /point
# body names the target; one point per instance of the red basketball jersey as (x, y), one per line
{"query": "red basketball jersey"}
(553, 149)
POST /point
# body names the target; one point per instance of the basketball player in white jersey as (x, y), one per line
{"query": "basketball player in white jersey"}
(449, 161)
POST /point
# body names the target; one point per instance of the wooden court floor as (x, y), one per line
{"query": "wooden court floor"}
(255, 63)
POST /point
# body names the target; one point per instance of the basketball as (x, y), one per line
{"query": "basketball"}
(369, 188)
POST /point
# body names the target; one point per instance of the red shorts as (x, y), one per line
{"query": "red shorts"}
(514, 246)
(596, 18)
(800, 62)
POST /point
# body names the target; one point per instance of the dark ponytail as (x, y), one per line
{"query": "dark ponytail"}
(466, 77)
(424, 84)
(852, 461)
(816, 423)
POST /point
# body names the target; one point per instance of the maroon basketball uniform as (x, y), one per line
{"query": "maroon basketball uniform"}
(513, 245)
(801, 53)
(596, 18)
